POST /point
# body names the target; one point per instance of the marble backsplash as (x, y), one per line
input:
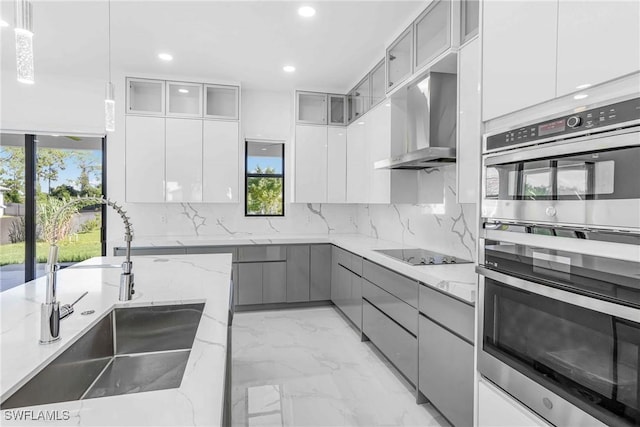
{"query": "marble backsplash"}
(202, 219)
(441, 224)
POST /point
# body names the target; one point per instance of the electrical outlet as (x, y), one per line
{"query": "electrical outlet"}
(163, 219)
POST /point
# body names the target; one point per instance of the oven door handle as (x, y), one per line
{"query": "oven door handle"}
(610, 140)
(601, 306)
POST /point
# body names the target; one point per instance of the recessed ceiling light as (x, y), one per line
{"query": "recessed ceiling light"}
(580, 96)
(263, 149)
(165, 57)
(306, 11)
(289, 68)
(388, 104)
(3, 23)
(183, 90)
(360, 123)
(584, 86)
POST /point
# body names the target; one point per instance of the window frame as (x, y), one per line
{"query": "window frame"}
(248, 175)
(30, 181)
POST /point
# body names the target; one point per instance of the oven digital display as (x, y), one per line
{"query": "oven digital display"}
(551, 127)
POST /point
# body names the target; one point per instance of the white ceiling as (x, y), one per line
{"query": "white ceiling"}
(237, 41)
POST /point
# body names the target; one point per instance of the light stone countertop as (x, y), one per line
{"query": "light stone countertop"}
(459, 281)
(159, 280)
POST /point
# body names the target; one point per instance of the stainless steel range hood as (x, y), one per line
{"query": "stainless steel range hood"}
(423, 124)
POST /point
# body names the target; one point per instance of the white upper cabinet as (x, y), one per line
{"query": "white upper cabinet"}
(183, 142)
(597, 41)
(336, 165)
(358, 166)
(221, 102)
(378, 85)
(145, 97)
(311, 164)
(519, 55)
(144, 159)
(184, 99)
(220, 161)
(469, 139)
(337, 109)
(399, 59)
(378, 138)
(311, 108)
(433, 32)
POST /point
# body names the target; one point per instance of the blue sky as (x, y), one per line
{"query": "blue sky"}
(71, 173)
(264, 162)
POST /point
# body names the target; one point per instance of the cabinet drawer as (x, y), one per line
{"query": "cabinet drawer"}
(213, 250)
(262, 253)
(453, 314)
(400, 286)
(398, 345)
(356, 264)
(348, 260)
(393, 307)
(446, 372)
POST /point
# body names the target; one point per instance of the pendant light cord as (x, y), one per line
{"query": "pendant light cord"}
(109, 36)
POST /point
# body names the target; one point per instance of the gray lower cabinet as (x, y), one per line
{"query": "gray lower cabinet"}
(353, 307)
(274, 282)
(262, 282)
(298, 259)
(398, 345)
(151, 251)
(320, 273)
(446, 372)
(250, 283)
(346, 286)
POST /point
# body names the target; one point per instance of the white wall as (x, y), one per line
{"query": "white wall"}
(71, 69)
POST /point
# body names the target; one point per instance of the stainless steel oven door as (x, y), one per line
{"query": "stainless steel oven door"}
(591, 182)
(573, 359)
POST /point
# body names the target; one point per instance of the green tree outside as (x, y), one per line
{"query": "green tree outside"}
(264, 194)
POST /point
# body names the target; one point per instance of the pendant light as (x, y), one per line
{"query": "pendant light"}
(24, 41)
(109, 99)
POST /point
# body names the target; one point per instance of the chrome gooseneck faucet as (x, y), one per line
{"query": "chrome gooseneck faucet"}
(50, 309)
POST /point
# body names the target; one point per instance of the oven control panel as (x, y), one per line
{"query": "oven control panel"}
(620, 112)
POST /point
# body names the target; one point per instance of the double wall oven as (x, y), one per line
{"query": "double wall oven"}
(559, 265)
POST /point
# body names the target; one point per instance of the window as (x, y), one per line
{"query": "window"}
(38, 173)
(264, 178)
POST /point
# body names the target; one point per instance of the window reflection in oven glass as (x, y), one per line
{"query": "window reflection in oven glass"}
(591, 357)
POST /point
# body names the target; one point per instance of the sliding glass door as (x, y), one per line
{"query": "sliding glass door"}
(39, 174)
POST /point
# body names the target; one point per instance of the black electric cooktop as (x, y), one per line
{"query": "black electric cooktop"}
(421, 257)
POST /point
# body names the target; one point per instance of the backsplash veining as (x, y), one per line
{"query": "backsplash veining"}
(201, 219)
(441, 225)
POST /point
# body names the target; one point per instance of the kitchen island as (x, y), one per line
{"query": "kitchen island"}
(159, 280)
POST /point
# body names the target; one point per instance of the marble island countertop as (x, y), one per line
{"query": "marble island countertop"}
(459, 280)
(160, 280)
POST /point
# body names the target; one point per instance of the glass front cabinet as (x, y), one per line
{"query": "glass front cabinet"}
(145, 97)
(184, 99)
(311, 108)
(221, 102)
(377, 79)
(337, 109)
(433, 32)
(400, 59)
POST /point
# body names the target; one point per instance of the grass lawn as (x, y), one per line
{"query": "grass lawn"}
(86, 246)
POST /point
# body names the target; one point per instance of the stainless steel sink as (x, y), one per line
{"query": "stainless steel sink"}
(130, 350)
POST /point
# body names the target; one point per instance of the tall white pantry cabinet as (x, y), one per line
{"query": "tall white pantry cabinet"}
(178, 153)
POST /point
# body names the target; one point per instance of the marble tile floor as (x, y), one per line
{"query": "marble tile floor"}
(307, 367)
